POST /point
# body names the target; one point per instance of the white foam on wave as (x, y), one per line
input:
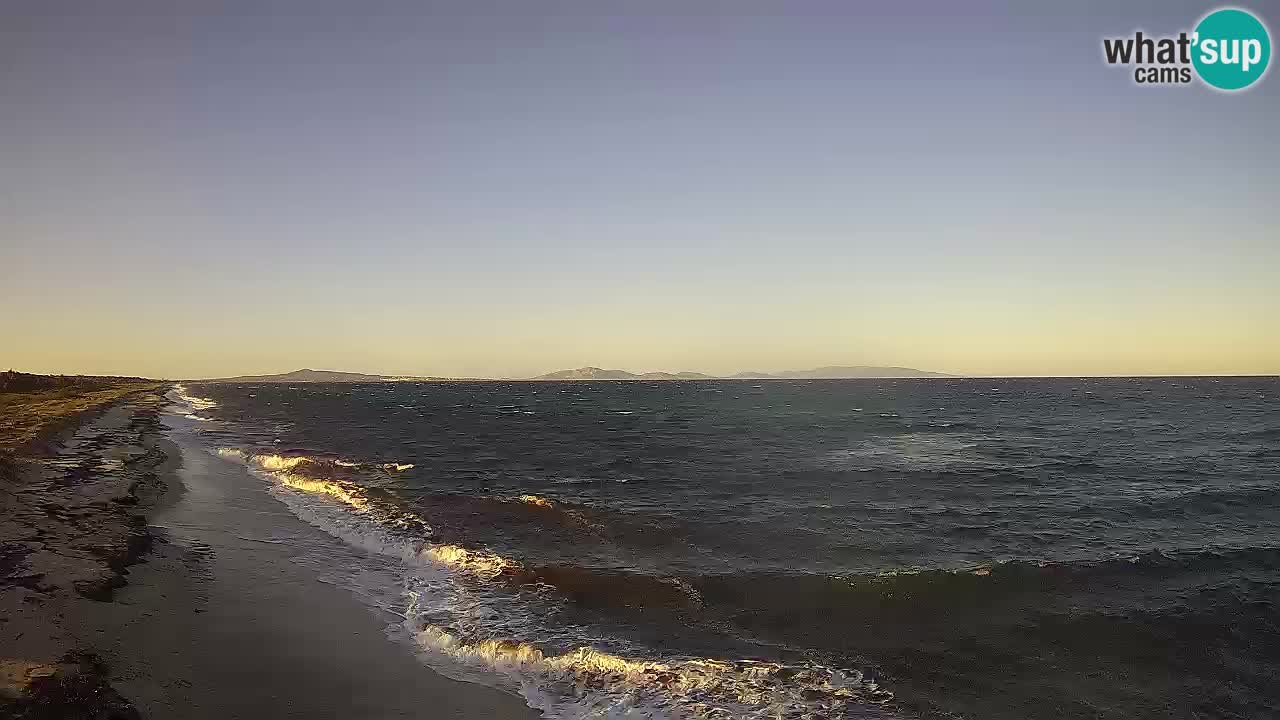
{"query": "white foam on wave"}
(274, 462)
(190, 405)
(194, 401)
(466, 623)
(910, 451)
(589, 683)
(376, 533)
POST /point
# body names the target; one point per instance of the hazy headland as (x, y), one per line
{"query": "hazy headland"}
(590, 373)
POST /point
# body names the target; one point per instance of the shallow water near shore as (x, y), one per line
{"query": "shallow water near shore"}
(1066, 548)
(242, 610)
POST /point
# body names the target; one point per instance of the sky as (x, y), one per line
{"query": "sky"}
(502, 189)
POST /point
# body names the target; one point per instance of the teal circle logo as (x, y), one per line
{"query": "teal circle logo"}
(1230, 49)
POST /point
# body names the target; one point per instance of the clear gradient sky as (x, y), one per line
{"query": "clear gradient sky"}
(506, 188)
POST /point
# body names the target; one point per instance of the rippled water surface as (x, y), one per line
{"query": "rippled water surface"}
(1061, 548)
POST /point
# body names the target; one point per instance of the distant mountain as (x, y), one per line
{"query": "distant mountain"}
(830, 372)
(847, 372)
(686, 375)
(595, 373)
(314, 376)
(588, 373)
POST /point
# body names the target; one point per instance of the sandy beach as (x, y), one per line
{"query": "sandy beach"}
(81, 468)
(144, 577)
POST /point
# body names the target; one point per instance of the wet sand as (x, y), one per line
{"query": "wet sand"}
(226, 619)
(223, 614)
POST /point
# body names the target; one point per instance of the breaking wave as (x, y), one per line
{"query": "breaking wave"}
(276, 461)
(588, 683)
(192, 404)
(196, 402)
(484, 617)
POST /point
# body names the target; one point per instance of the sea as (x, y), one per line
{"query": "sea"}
(890, 548)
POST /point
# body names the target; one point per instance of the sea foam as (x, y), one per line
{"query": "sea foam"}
(466, 620)
(190, 405)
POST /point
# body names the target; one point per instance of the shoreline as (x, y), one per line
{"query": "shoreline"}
(76, 492)
(138, 579)
(229, 618)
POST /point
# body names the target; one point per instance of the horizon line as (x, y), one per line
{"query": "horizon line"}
(940, 375)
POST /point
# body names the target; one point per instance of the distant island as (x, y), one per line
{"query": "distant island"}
(829, 372)
(595, 373)
(586, 374)
(307, 375)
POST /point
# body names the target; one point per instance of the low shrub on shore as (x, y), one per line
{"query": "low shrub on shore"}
(35, 408)
(12, 381)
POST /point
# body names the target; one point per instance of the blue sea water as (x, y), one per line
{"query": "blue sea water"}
(980, 548)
